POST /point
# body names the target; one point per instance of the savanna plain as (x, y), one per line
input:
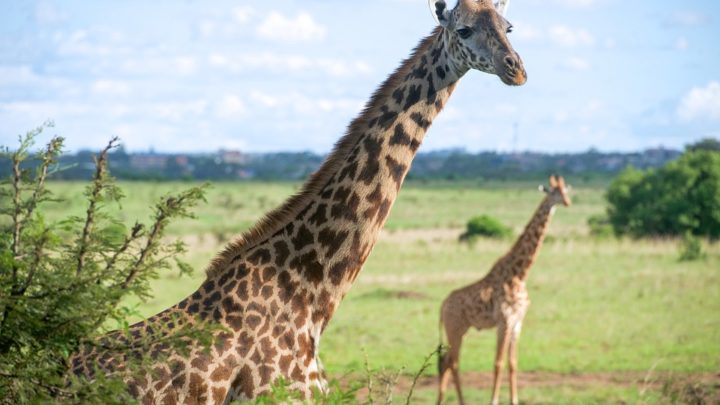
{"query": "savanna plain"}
(611, 320)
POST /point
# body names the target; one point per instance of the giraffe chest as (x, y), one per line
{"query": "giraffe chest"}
(514, 301)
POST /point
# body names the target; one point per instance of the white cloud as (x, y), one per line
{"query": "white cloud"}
(242, 14)
(687, 19)
(569, 37)
(561, 116)
(592, 109)
(43, 110)
(300, 28)
(575, 63)
(681, 44)
(19, 74)
(230, 106)
(284, 62)
(185, 65)
(177, 111)
(110, 87)
(576, 3)
(525, 31)
(300, 103)
(505, 109)
(46, 13)
(701, 103)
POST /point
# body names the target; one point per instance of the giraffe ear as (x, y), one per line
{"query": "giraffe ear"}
(543, 188)
(440, 12)
(501, 6)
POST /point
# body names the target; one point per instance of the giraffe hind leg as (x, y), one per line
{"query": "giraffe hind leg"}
(455, 336)
(443, 375)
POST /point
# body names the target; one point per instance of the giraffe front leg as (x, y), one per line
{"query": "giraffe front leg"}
(318, 377)
(512, 354)
(503, 338)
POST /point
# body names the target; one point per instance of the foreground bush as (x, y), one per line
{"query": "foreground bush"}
(681, 197)
(485, 226)
(62, 283)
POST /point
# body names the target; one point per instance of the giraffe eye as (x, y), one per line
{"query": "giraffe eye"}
(464, 32)
(509, 28)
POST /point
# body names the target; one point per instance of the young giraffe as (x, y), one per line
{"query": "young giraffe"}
(276, 287)
(499, 299)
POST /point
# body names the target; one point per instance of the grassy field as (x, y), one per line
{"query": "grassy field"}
(623, 315)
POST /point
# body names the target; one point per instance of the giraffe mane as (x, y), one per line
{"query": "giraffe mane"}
(278, 217)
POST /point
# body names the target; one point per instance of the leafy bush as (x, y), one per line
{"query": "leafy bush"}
(62, 283)
(485, 226)
(683, 196)
(690, 248)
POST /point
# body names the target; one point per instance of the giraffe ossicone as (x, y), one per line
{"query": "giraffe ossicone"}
(276, 286)
(500, 299)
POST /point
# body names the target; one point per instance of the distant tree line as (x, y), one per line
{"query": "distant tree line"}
(292, 166)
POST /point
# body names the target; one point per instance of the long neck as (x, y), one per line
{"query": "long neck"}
(318, 240)
(525, 250)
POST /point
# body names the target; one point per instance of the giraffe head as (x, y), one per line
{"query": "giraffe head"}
(477, 32)
(559, 192)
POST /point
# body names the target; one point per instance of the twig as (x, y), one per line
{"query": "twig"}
(425, 365)
(646, 379)
(368, 376)
(53, 148)
(98, 186)
(135, 233)
(149, 244)
(52, 389)
(37, 256)
(17, 178)
(390, 385)
(165, 211)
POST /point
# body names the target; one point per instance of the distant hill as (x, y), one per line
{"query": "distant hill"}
(436, 165)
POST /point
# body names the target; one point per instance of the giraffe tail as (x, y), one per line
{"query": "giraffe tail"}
(441, 349)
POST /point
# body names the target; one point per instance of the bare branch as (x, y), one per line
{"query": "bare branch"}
(53, 149)
(98, 186)
(17, 195)
(37, 257)
(155, 231)
(53, 390)
(135, 233)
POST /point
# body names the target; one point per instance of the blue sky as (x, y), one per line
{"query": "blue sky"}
(289, 75)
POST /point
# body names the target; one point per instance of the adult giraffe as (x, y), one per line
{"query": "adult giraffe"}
(276, 287)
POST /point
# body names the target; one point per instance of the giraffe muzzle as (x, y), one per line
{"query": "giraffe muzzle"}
(511, 70)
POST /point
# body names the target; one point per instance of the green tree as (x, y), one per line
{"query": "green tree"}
(709, 144)
(63, 283)
(680, 197)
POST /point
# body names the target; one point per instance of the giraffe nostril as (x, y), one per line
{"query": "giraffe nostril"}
(510, 62)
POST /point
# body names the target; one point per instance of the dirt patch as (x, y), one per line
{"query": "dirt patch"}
(673, 385)
(417, 235)
(394, 294)
(478, 379)
(408, 295)
(415, 279)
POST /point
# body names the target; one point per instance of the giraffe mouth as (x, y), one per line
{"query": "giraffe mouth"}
(515, 77)
(512, 71)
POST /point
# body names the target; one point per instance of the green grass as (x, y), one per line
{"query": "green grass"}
(597, 305)
(596, 395)
(233, 207)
